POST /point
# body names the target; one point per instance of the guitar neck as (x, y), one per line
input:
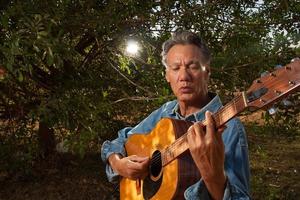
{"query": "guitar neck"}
(230, 110)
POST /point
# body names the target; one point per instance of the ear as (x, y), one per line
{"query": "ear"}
(167, 76)
(207, 69)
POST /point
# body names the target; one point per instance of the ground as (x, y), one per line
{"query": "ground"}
(60, 177)
(275, 170)
(275, 167)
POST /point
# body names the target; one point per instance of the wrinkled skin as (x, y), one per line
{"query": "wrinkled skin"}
(188, 78)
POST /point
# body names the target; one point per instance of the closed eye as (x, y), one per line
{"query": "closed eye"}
(174, 67)
(194, 66)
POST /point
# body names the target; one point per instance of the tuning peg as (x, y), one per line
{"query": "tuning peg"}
(295, 59)
(264, 73)
(272, 110)
(278, 67)
(287, 103)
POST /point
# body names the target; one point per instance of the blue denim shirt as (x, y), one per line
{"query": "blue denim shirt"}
(234, 137)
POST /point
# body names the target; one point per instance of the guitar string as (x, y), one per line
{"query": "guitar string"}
(183, 137)
(156, 159)
(223, 110)
(184, 134)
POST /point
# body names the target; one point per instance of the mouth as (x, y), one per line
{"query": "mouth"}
(186, 89)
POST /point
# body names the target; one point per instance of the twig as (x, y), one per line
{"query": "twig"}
(137, 98)
(234, 67)
(130, 81)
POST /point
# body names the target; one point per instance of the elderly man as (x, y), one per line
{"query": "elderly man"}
(221, 155)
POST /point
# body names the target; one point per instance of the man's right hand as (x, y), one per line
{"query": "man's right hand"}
(132, 167)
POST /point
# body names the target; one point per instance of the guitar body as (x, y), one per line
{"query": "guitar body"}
(171, 181)
(172, 169)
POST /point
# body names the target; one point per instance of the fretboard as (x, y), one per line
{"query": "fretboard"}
(230, 110)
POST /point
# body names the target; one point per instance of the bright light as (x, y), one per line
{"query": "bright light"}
(132, 47)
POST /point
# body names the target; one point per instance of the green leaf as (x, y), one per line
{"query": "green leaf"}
(36, 48)
(50, 57)
(104, 94)
(4, 21)
(42, 34)
(20, 76)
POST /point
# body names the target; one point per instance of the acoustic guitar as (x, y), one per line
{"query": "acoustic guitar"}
(171, 168)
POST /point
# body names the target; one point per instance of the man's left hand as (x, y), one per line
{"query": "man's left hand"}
(207, 150)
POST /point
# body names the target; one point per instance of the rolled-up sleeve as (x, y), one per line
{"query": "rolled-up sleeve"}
(198, 191)
(114, 146)
(117, 145)
(236, 167)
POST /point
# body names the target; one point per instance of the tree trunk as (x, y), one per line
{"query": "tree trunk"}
(46, 139)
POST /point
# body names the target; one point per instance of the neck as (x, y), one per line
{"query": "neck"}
(190, 107)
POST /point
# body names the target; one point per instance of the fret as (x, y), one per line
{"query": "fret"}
(174, 150)
(229, 111)
(263, 92)
(217, 119)
(221, 117)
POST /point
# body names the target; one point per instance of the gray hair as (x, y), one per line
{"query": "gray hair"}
(184, 38)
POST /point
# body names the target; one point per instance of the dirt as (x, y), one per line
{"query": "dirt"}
(60, 177)
(275, 167)
(275, 170)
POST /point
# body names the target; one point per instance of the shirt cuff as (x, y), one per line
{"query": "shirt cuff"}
(227, 193)
(199, 191)
(112, 176)
(234, 192)
(109, 148)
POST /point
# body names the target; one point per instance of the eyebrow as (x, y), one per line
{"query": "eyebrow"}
(193, 62)
(189, 63)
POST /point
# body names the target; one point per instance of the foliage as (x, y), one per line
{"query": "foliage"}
(63, 62)
(286, 119)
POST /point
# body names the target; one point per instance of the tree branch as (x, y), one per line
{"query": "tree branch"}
(130, 81)
(137, 98)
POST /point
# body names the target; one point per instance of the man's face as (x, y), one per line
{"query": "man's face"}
(185, 74)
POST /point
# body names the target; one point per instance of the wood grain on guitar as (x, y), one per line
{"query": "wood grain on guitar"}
(172, 169)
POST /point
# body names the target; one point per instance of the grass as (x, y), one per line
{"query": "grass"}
(275, 165)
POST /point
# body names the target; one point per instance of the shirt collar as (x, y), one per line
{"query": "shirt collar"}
(213, 106)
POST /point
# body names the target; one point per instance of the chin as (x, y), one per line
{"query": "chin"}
(185, 98)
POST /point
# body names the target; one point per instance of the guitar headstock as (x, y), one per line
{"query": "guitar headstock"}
(274, 86)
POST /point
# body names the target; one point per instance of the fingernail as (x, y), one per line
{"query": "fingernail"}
(207, 113)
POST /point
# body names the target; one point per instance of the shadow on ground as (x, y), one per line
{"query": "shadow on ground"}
(275, 170)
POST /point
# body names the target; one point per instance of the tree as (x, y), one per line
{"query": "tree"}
(64, 68)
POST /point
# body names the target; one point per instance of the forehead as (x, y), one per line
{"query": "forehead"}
(185, 53)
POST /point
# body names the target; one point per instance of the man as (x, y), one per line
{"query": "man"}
(221, 155)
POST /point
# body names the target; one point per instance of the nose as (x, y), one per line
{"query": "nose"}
(184, 74)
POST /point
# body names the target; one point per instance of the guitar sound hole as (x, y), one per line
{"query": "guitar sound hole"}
(155, 164)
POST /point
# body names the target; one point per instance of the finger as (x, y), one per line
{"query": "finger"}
(222, 128)
(145, 163)
(219, 132)
(136, 167)
(196, 137)
(190, 136)
(142, 159)
(210, 128)
(135, 158)
(198, 129)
